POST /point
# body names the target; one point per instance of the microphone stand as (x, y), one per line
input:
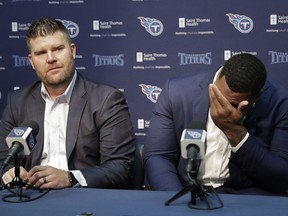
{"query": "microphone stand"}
(18, 184)
(198, 192)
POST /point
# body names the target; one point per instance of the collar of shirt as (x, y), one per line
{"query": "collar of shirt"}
(217, 74)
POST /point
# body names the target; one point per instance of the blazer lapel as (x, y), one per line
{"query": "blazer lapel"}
(38, 111)
(76, 107)
(202, 105)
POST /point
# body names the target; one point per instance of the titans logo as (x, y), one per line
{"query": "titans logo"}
(194, 134)
(72, 27)
(151, 92)
(242, 23)
(18, 132)
(153, 26)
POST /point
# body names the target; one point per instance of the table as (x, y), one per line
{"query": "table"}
(106, 202)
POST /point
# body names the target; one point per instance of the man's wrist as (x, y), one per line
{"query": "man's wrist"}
(235, 135)
(235, 149)
(72, 180)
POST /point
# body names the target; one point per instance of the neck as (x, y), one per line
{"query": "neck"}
(56, 91)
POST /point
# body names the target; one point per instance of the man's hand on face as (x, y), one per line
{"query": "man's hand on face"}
(226, 117)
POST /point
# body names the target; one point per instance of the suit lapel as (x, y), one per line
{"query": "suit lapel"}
(76, 107)
(38, 111)
(201, 106)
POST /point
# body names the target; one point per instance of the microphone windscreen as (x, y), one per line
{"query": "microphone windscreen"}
(197, 125)
(32, 124)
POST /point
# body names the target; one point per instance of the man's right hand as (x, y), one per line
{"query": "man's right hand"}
(10, 174)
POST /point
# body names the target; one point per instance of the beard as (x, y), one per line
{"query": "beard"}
(58, 80)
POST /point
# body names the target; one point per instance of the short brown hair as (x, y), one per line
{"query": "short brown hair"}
(46, 26)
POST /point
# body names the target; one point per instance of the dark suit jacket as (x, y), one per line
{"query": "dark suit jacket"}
(100, 139)
(262, 161)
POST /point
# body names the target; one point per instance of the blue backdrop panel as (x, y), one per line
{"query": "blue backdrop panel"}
(135, 45)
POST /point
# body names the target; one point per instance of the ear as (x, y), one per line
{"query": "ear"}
(73, 50)
(31, 61)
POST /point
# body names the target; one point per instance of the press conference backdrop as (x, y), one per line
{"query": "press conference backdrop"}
(135, 45)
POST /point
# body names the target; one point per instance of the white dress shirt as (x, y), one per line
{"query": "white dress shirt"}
(213, 170)
(55, 125)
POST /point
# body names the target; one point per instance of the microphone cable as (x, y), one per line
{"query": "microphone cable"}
(18, 193)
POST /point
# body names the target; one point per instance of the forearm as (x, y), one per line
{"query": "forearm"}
(112, 174)
(235, 134)
(265, 167)
(161, 174)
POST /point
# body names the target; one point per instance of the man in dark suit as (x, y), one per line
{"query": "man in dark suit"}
(246, 118)
(85, 133)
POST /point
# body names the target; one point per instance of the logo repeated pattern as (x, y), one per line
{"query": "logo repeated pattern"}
(135, 45)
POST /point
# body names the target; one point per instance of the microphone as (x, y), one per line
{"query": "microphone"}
(193, 141)
(21, 140)
(193, 147)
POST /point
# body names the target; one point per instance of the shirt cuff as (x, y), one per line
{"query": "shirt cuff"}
(235, 149)
(80, 178)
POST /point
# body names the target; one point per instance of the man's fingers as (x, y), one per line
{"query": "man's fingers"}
(243, 106)
(217, 97)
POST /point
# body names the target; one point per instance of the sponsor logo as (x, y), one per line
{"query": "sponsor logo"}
(242, 23)
(194, 26)
(228, 53)
(97, 24)
(15, 26)
(102, 29)
(150, 58)
(151, 92)
(273, 19)
(141, 57)
(181, 22)
(192, 22)
(151, 25)
(142, 123)
(276, 24)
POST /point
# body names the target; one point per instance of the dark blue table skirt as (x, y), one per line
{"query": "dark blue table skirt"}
(107, 202)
